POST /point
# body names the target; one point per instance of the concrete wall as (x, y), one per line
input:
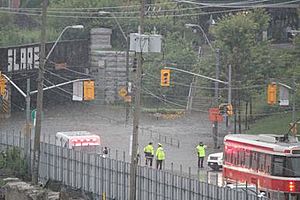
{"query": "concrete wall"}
(107, 66)
(16, 189)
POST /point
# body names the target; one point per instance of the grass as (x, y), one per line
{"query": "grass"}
(275, 124)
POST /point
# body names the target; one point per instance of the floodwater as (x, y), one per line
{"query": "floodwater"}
(109, 123)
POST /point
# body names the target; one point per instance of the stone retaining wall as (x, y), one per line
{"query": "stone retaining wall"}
(16, 189)
(108, 67)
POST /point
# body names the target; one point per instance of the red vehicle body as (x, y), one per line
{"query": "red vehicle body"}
(271, 162)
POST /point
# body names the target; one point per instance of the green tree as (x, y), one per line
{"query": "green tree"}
(239, 38)
(178, 53)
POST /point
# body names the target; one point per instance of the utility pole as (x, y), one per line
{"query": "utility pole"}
(215, 124)
(127, 78)
(136, 114)
(37, 135)
(28, 129)
(294, 99)
(229, 96)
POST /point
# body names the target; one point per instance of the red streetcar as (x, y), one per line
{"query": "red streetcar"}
(271, 162)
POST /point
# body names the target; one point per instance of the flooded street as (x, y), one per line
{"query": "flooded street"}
(179, 136)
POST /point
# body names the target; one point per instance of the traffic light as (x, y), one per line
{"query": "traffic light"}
(229, 110)
(165, 77)
(88, 90)
(272, 88)
(2, 85)
(134, 64)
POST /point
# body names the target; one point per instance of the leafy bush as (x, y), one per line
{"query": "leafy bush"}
(13, 161)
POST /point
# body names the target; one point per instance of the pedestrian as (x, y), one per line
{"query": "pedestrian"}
(149, 154)
(201, 154)
(105, 152)
(160, 156)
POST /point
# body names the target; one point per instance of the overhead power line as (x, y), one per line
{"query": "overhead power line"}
(107, 7)
(227, 5)
(159, 14)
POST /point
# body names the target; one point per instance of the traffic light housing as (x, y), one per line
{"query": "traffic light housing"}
(272, 93)
(226, 108)
(2, 85)
(89, 90)
(165, 75)
(229, 110)
(134, 64)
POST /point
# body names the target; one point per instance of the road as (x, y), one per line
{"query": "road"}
(109, 123)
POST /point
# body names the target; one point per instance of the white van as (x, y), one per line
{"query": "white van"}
(215, 160)
(79, 140)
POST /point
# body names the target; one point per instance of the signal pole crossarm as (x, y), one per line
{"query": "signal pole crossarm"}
(285, 85)
(13, 84)
(60, 84)
(206, 77)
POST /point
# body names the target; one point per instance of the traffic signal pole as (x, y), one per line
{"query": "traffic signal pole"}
(294, 99)
(37, 134)
(136, 113)
(28, 128)
(229, 97)
(127, 79)
(215, 124)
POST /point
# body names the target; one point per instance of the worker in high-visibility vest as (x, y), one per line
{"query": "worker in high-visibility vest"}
(160, 156)
(149, 154)
(201, 154)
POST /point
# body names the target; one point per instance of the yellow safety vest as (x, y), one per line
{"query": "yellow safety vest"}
(201, 150)
(149, 149)
(160, 154)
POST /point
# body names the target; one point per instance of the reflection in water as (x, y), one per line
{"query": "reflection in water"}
(215, 177)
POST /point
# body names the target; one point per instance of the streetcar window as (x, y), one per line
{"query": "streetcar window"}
(268, 163)
(295, 151)
(247, 159)
(228, 154)
(254, 160)
(292, 166)
(235, 157)
(278, 165)
(242, 157)
(262, 160)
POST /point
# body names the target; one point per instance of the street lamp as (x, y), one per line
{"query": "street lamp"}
(116, 20)
(64, 30)
(203, 32)
(217, 51)
(39, 107)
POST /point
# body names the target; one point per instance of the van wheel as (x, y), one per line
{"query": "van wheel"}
(215, 168)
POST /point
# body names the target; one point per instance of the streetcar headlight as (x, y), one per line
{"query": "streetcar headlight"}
(292, 186)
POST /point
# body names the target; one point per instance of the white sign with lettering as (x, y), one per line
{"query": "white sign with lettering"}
(23, 58)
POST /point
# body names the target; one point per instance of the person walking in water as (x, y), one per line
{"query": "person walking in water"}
(201, 154)
(160, 156)
(149, 154)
